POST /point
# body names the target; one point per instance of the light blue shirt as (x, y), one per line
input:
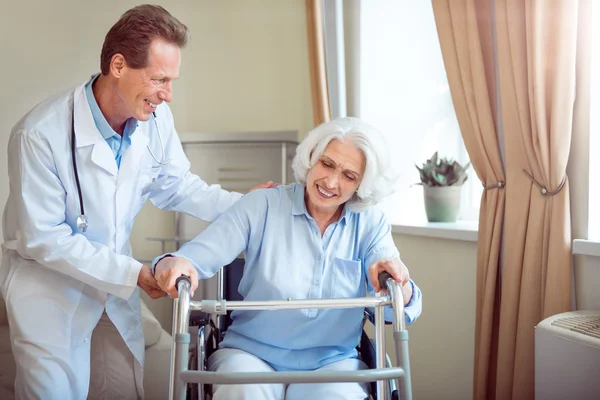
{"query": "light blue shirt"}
(286, 257)
(117, 144)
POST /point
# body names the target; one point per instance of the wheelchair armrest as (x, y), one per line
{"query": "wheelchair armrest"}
(371, 317)
(199, 318)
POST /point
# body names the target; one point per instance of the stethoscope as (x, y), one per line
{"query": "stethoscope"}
(82, 220)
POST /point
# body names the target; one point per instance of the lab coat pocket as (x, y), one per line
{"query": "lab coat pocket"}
(146, 180)
(347, 279)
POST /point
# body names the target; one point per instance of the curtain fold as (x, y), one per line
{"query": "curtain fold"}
(316, 59)
(537, 80)
(537, 45)
(466, 40)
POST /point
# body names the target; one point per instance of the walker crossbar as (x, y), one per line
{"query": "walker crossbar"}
(366, 375)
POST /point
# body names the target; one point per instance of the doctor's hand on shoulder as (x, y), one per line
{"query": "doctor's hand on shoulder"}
(266, 185)
(169, 268)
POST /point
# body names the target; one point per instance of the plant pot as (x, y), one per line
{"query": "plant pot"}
(442, 203)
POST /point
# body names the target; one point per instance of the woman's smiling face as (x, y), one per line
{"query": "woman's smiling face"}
(335, 177)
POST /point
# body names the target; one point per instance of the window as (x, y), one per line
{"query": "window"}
(405, 94)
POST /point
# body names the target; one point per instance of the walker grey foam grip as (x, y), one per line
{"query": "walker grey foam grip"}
(183, 278)
(383, 277)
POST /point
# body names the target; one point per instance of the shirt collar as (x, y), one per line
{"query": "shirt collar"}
(99, 120)
(299, 206)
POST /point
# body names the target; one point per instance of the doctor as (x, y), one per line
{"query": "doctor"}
(81, 166)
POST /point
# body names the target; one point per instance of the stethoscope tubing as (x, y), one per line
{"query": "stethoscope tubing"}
(74, 159)
(82, 222)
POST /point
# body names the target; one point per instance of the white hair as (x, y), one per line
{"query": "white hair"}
(379, 179)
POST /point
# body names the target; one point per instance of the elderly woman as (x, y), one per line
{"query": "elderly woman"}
(318, 238)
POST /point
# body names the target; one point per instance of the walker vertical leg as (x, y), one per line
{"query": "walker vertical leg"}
(181, 364)
(403, 361)
(173, 347)
(382, 388)
(201, 351)
(181, 338)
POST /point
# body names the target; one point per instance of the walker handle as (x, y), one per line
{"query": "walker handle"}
(383, 277)
(183, 278)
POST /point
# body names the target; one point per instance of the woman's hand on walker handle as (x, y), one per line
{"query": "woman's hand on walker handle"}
(168, 269)
(397, 270)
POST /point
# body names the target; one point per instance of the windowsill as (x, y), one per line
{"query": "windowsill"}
(585, 247)
(460, 230)
(468, 230)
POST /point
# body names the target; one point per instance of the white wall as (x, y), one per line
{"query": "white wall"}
(245, 69)
(442, 339)
(46, 47)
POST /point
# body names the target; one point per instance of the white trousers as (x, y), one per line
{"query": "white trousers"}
(234, 360)
(102, 369)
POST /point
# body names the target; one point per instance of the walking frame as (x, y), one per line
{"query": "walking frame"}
(181, 375)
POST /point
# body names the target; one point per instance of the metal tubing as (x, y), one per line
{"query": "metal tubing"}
(292, 304)
(400, 338)
(201, 352)
(229, 378)
(403, 361)
(395, 291)
(173, 347)
(183, 309)
(380, 348)
(201, 347)
(181, 364)
(220, 296)
(393, 382)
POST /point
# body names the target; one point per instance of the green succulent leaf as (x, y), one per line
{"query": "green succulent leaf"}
(442, 172)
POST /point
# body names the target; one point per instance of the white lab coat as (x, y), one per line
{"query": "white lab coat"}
(57, 281)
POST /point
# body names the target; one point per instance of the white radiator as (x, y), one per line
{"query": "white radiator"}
(567, 356)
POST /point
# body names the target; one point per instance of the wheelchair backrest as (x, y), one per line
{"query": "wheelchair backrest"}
(232, 275)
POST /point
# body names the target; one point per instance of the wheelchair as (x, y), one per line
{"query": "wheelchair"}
(199, 326)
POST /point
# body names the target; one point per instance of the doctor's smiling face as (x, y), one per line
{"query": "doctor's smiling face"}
(141, 90)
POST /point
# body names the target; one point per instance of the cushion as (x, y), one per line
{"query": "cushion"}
(3, 317)
(156, 369)
(151, 326)
(7, 364)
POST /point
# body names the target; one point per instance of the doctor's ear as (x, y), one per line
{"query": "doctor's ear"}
(117, 64)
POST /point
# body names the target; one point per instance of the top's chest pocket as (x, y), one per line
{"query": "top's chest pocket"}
(347, 279)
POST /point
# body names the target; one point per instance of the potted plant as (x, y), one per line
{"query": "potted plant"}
(442, 180)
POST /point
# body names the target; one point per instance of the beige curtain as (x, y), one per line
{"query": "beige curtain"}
(465, 33)
(316, 59)
(537, 43)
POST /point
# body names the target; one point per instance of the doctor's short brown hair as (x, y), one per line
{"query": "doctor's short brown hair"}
(132, 35)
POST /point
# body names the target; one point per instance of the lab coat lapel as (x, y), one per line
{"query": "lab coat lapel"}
(131, 164)
(87, 134)
(132, 159)
(103, 157)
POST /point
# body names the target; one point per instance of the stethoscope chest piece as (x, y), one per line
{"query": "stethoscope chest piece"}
(82, 223)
